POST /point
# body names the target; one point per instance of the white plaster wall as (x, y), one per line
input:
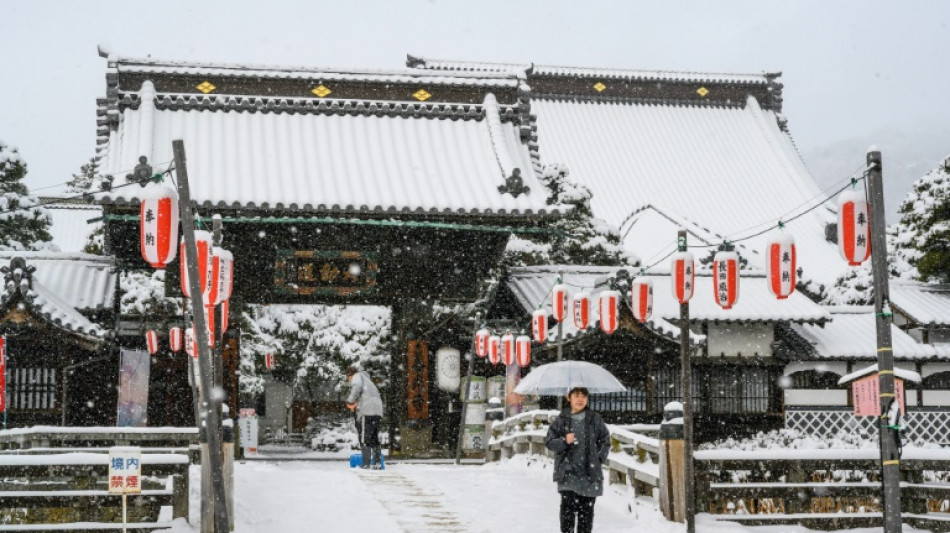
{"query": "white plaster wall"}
(815, 397)
(935, 398)
(747, 340)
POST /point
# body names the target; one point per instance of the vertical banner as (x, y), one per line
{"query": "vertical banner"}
(512, 399)
(249, 427)
(3, 374)
(133, 388)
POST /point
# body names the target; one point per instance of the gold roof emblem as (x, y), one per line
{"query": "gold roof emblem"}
(702, 91)
(422, 95)
(321, 91)
(599, 87)
(206, 87)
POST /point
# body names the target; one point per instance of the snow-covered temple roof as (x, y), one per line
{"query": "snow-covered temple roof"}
(711, 148)
(81, 281)
(924, 304)
(326, 140)
(851, 334)
(54, 302)
(70, 226)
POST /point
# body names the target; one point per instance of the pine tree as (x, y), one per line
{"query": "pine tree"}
(922, 237)
(82, 181)
(24, 225)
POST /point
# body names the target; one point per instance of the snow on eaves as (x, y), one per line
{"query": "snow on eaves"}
(851, 334)
(925, 304)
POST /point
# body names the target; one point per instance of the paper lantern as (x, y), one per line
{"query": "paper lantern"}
(581, 306)
(559, 302)
(854, 227)
(481, 342)
(203, 241)
(158, 224)
(191, 345)
(539, 326)
(683, 274)
(608, 306)
(222, 262)
(174, 339)
(523, 350)
(209, 316)
(225, 307)
(780, 265)
(151, 341)
(269, 361)
(508, 348)
(494, 349)
(447, 365)
(641, 298)
(726, 278)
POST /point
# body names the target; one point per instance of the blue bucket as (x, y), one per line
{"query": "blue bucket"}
(356, 460)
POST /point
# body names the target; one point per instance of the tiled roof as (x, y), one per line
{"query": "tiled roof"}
(926, 304)
(852, 334)
(329, 155)
(82, 281)
(46, 302)
(70, 228)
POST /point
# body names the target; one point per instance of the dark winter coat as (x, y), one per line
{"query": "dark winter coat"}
(598, 444)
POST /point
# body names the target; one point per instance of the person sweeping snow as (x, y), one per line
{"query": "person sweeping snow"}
(581, 442)
(365, 400)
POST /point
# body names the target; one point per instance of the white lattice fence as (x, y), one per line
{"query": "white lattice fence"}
(919, 425)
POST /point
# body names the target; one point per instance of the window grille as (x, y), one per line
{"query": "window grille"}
(634, 399)
(719, 389)
(938, 381)
(813, 379)
(32, 389)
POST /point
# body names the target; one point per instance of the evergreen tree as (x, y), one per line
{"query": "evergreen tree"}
(82, 181)
(24, 225)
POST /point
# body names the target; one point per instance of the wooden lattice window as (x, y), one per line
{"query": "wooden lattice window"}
(32, 389)
(813, 379)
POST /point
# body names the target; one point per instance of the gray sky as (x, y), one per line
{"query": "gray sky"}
(853, 70)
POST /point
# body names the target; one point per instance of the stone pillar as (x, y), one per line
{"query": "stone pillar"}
(672, 470)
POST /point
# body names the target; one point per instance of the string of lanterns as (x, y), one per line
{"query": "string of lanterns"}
(854, 245)
(158, 230)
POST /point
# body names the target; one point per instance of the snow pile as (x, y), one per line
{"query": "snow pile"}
(793, 439)
(143, 293)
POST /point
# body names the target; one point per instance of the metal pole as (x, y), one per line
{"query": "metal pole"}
(468, 391)
(890, 460)
(204, 355)
(560, 342)
(686, 385)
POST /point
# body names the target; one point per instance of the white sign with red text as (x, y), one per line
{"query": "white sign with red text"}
(125, 470)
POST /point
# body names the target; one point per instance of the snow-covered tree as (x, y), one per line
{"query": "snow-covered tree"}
(143, 293)
(24, 224)
(82, 181)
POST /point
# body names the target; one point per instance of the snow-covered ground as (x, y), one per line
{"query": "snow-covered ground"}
(514, 496)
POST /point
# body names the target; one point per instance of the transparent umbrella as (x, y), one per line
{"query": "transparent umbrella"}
(556, 379)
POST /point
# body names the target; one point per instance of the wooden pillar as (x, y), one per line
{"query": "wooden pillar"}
(672, 466)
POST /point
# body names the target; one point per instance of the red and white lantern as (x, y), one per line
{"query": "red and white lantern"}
(780, 265)
(523, 350)
(191, 344)
(481, 342)
(222, 267)
(559, 302)
(683, 273)
(151, 341)
(726, 278)
(203, 241)
(508, 348)
(174, 339)
(609, 308)
(269, 361)
(225, 306)
(539, 326)
(158, 224)
(209, 316)
(494, 349)
(854, 227)
(581, 306)
(641, 298)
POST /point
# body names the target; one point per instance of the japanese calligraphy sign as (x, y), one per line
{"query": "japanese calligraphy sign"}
(248, 425)
(330, 273)
(125, 470)
(864, 395)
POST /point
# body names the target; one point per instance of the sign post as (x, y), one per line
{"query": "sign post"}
(125, 474)
(248, 426)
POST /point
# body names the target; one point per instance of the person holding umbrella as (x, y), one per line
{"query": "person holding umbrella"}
(580, 439)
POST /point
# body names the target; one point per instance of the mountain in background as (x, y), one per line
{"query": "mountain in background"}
(907, 156)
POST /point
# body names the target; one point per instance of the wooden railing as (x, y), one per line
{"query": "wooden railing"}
(633, 458)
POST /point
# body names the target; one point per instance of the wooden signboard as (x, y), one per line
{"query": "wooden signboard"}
(325, 273)
(864, 395)
(418, 380)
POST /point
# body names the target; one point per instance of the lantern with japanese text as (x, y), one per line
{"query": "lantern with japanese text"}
(225, 307)
(641, 298)
(523, 350)
(158, 224)
(508, 348)
(539, 326)
(559, 302)
(683, 273)
(854, 227)
(209, 316)
(222, 262)
(581, 306)
(481, 342)
(269, 361)
(494, 349)
(781, 261)
(203, 244)
(191, 345)
(174, 339)
(726, 278)
(609, 306)
(151, 341)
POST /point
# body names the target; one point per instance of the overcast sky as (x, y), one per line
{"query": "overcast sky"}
(852, 69)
